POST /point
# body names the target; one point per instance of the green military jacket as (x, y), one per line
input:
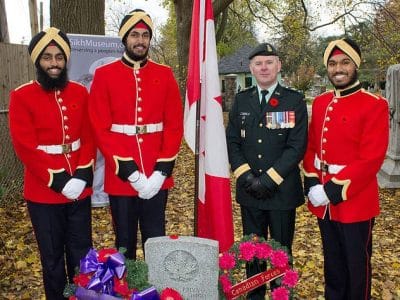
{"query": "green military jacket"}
(271, 143)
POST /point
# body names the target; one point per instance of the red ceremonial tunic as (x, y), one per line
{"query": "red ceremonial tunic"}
(120, 95)
(40, 118)
(349, 129)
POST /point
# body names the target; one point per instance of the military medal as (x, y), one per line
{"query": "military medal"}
(292, 118)
(280, 119)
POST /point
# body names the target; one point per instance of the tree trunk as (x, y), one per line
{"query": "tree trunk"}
(78, 16)
(4, 37)
(183, 12)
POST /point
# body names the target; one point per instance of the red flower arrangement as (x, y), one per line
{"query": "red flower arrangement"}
(249, 250)
(273, 102)
(170, 294)
(106, 274)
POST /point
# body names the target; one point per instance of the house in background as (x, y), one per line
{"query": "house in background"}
(237, 65)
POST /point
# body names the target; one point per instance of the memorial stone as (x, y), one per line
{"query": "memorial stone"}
(230, 91)
(186, 264)
(389, 175)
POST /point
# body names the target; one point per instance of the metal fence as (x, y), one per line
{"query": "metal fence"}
(15, 69)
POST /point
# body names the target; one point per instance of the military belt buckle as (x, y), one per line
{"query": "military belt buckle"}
(66, 148)
(141, 129)
(324, 167)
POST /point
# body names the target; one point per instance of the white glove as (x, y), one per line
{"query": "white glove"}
(153, 186)
(138, 181)
(317, 195)
(73, 188)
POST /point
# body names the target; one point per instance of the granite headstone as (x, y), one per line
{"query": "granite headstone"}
(389, 175)
(186, 264)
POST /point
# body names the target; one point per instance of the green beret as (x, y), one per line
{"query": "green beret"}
(264, 49)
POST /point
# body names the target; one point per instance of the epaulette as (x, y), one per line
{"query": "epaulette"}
(326, 92)
(371, 94)
(246, 89)
(78, 83)
(106, 64)
(160, 64)
(292, 90)
(22, 85)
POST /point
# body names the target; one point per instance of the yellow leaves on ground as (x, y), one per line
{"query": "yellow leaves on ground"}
(20, 270)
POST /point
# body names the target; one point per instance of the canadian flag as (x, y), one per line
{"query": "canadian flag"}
(214, 203)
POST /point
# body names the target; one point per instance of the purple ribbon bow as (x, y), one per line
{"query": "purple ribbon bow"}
(147, 294)
(102, 279)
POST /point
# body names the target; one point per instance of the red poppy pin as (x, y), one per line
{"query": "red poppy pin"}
(273, 102)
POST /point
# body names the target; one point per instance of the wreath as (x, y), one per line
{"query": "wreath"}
(254, 249)
(106, 274)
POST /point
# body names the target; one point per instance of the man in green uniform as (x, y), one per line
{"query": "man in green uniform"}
(267, 137)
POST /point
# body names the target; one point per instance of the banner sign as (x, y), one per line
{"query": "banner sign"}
(254, 282)
(87, 53)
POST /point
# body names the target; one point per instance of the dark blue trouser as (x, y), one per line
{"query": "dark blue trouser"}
(64, 236)
(347, 259)
(278, 224)
(130, 212)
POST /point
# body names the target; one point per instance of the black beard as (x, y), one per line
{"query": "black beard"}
(353, 79)
(135, 57)
(48, 83)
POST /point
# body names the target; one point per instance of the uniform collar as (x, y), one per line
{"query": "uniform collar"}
(133, 63)
(270, 90)
(349, 90)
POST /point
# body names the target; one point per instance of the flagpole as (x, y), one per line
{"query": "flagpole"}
(205, 133)
(196, 166)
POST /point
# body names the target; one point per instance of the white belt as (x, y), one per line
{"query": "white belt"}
(61, 149)
(136, 129)
(325, 167)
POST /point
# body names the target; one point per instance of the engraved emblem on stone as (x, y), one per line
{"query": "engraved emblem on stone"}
(181, 265)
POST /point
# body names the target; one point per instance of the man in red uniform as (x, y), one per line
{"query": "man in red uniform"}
(348, 138)
(136, 112)
(51, 136)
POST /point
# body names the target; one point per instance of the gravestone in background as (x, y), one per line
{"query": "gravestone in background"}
(389, 175)
(186, 264)
(230, 91)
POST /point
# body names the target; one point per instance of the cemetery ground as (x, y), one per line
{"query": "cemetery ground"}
(20, 275)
